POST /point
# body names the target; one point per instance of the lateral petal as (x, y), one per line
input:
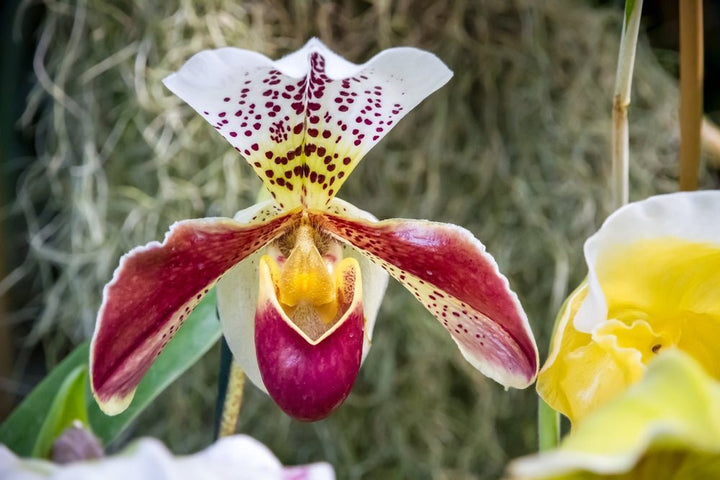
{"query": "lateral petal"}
(451, 274)
(154, 289)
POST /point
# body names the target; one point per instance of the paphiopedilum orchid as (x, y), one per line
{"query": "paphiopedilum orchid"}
(301, 275)
(666, 426)
(653, 284)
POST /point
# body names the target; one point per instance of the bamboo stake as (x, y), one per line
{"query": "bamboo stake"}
(691, 86)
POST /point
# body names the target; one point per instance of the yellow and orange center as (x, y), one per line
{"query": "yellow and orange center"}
(305, 266)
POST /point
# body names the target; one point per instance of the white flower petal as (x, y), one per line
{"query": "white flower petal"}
(237, 457)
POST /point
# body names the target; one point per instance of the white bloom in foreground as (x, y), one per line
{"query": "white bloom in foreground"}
(237, 457)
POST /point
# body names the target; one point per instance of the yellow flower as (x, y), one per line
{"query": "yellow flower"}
(666, 427)
(653, 283)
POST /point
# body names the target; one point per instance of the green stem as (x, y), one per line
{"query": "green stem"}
(233, 400)
(621, 102)
(548, 426)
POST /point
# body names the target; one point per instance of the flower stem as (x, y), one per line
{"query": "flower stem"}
(691, 82)
(621, 102)
(233, 400)
(548, 426)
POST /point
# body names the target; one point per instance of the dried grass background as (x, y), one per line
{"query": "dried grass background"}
(514, 148)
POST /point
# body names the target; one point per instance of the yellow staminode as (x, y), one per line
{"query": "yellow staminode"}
(305, 277)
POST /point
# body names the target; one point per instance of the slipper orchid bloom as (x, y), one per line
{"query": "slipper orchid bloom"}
(653, 284)
(301, 275)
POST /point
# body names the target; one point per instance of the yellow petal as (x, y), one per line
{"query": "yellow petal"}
(666, 426)
(551, 381)
(674, 285)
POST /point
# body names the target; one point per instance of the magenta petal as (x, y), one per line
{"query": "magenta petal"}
(448, 270)
(308, 379)
(152, 292)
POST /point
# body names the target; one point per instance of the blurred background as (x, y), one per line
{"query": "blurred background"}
(97, 157)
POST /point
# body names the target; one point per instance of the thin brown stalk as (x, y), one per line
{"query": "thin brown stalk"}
(691, 83)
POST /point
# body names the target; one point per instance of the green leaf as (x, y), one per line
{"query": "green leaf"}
(200, 332)
(67, 406)
(22, 429)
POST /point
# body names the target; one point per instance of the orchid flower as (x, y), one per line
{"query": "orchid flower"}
(301, 275)
(237, 457)
(666, 426)
(653, 284)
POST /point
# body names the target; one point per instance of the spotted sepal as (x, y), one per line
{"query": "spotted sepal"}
(305, 121)
(154, 289)
(451, 274)
(307, 378)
